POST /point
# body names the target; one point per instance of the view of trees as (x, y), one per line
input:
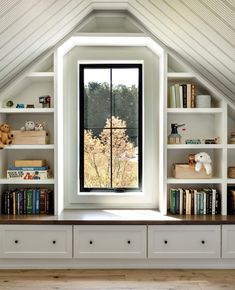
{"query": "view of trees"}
(110, 159)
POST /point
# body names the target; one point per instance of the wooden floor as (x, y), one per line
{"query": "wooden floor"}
(117, 279)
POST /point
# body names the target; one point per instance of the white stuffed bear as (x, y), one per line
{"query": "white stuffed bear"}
(28, 126)
(203, 159)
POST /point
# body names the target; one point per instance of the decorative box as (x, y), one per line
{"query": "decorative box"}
(29, 137)
(181, 170)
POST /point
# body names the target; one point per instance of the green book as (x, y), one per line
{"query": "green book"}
(29, 203)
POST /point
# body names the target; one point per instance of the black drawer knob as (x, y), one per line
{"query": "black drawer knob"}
(165, 242)
(128, 242)
(203, 242)
(54, 242)
(90, 242)
(16, 241)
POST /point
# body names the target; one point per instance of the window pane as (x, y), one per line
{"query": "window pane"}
(97, 162)
(125, 95)
(110, 127)
(96, 97)
(125, 161)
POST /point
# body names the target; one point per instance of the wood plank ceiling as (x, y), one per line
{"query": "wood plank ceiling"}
(201, 31)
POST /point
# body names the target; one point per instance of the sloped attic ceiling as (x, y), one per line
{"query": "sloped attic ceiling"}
(201, 31)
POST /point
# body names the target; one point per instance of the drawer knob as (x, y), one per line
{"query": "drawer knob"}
(165, 242)
(90, 242)
(16, 241)
(203, 242)
(128, 242)
(54, 242)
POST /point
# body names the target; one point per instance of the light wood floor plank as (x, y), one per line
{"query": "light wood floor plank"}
(117, 279)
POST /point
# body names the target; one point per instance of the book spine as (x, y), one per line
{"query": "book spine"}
(29, 194)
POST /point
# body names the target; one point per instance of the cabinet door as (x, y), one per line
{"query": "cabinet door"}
(228, 241)
(109, 241)
(35, 241)
(184, 241)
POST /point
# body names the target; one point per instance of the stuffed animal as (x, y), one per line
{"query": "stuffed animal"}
(5, 135)
(191, 159)
(28, 126)
(203, 159)
(40, 126)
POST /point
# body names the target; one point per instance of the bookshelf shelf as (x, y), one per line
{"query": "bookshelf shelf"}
(195, 146)
(28, 182)
(194, 181)
(25, 147)
(27, 111)
(231, 181)
(194, 110)
(180, 75)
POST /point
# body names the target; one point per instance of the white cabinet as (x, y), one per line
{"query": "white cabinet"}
(40, 241)
(184, 241)
(110, 241)
(228, 241)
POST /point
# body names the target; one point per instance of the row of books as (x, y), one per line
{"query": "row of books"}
(182, 96)
(41, 172)
(28, 201)
(195, 202)
(231, 200)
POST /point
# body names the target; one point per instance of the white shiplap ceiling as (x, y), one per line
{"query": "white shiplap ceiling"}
(202, 32)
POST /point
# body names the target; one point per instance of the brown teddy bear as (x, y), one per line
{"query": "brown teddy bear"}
(5, 135)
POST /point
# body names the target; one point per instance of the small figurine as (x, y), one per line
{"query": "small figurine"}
(9, 104)
(20, 106)
(29, 106)
(45, 101)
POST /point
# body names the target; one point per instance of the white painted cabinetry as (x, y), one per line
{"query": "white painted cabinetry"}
(228, 241)
(184, 241)
(110, 242)
(40, 241)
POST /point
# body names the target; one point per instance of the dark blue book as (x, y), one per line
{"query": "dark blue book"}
(37, 201)
(28, 168)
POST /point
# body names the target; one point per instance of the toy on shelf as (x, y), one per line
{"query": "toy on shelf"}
(232, 138)
(9, 104)
(28, 126)
(20, 106)
(5, 135)
(203, 159)
(175, 137)
(198, 166)
(29, 106)
(45, 101)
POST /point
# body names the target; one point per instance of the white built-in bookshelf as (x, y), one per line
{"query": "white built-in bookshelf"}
(25, 90)
(200, 123)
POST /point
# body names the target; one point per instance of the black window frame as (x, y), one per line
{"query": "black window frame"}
(110, 66)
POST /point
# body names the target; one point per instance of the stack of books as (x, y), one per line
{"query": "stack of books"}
(29, 169)
(28, 201)
(182, 96)
(195, 202)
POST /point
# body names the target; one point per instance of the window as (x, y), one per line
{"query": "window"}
(110, 127)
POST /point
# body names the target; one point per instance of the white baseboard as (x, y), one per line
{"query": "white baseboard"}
(117, 264)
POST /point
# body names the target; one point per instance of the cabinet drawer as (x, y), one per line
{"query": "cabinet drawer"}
(228, 241)
(184, 241)
(109, 241)
(30, 241)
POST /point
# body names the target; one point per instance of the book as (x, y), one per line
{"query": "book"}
(188, 95)
(30, 163)
(28, 174)
(172, 97)
(28, 168)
